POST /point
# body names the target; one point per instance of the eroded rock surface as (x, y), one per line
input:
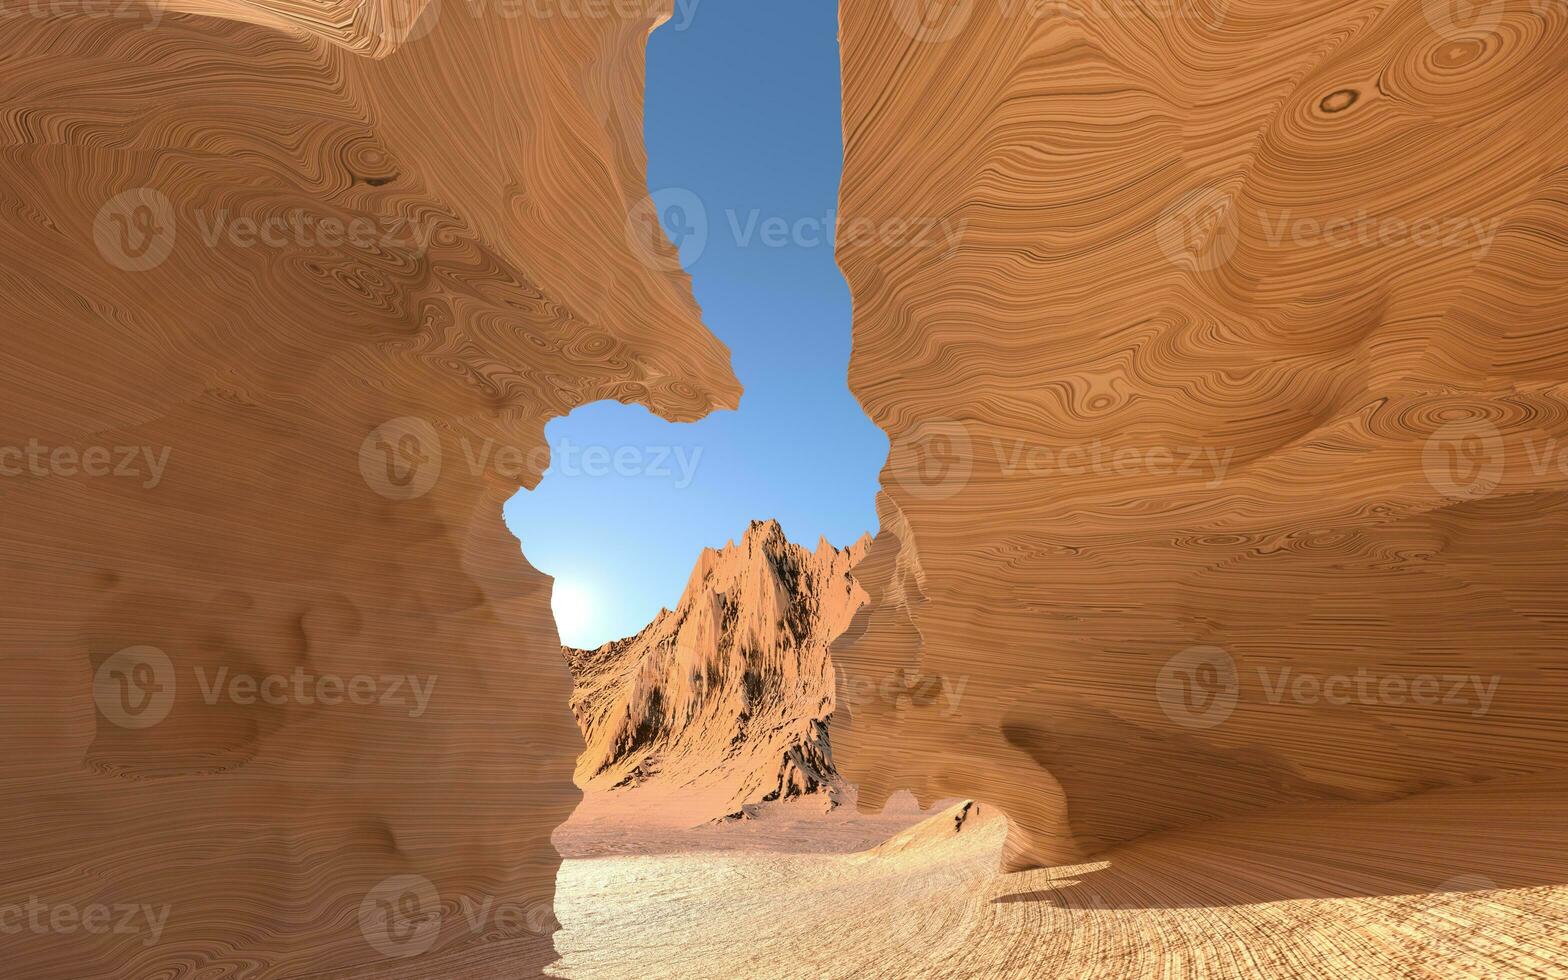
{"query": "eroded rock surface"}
(1226, 474)
(325, 279)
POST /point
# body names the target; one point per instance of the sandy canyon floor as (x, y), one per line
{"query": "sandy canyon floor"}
(1310, 896)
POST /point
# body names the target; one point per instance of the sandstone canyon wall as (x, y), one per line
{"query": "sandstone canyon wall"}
(283, 686)
(723, 701)
(1247, 367)
(1227, 470)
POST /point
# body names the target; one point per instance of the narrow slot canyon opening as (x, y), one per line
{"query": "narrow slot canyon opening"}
(703, 570)
(1192, 484)
(715, 823)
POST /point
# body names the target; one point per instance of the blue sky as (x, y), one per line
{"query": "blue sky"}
(742, 118)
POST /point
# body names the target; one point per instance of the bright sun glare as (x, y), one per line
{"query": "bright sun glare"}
(573, 608)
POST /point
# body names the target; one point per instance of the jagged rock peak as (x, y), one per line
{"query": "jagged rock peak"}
(723, 701)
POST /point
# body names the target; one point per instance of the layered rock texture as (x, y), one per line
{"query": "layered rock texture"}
(723, 701)
(282, 683)
(1227, 476)
(1223, 527)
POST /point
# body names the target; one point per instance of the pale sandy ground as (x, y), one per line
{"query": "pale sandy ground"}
(1303, 894)
(600, 827)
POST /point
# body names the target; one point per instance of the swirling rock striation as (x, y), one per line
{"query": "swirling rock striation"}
(723, 701)
(1227, 470)
(287, 305)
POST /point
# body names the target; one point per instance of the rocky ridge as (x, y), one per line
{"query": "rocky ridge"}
(723, 701)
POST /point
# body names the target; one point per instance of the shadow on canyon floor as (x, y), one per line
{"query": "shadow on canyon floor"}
(1423, 844)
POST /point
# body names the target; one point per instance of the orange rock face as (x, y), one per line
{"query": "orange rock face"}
(1226, 499)
(1227, 466)
(287, 306)
(724, 700)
